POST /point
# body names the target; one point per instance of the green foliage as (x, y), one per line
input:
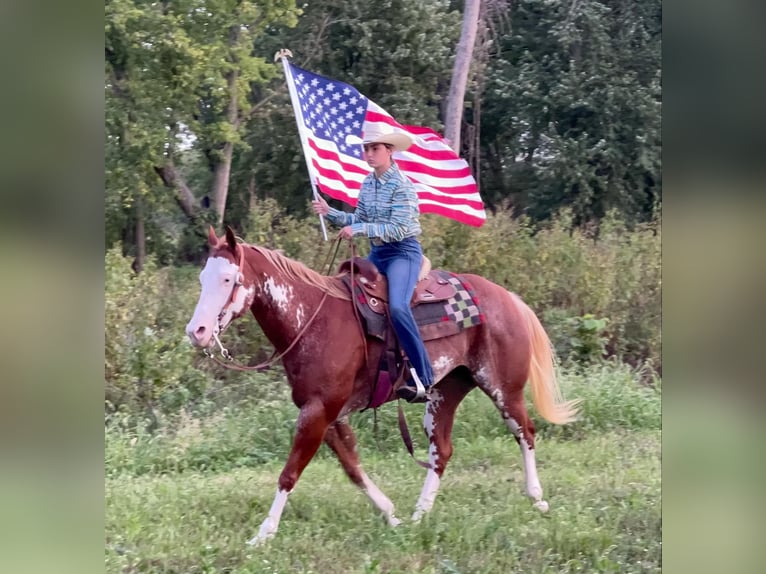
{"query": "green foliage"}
(595, 296)
(148, 363)
(259, 429)
(566, 113)
(564, 272)
(571, 112)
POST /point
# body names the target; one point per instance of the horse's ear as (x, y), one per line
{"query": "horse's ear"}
(231, 239)
(212, 238)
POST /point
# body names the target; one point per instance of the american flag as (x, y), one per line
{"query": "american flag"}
(331, 110)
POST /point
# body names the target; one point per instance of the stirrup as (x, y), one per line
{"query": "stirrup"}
(413, 390)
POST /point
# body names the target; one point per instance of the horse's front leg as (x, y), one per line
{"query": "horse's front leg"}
(310, 429)
(340, 438)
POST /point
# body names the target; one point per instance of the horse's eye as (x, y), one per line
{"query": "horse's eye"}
(227, 279)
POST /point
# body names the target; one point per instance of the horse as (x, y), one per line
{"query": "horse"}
(330, 365)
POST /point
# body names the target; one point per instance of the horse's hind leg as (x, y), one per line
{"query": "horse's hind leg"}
(517, 419)
(437, 423)
(340, 438)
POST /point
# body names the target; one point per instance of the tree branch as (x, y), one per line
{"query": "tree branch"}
(184, 195)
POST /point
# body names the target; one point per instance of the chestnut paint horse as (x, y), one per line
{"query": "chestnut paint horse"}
(330, 378)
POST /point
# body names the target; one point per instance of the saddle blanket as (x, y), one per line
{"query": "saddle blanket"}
(435, 319)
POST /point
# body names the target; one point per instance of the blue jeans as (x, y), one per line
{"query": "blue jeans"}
(400, 263)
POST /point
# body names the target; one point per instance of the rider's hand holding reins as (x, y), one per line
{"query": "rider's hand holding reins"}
(346, 233)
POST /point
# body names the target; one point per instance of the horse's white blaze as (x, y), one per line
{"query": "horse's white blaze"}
(442, 366)
(534, 489)
(280, 294)
(380, 500)
(271, 524)
(217, 279)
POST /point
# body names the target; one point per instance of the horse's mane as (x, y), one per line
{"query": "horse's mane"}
(300, 272)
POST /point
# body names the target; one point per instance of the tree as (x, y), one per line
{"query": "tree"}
(575, 95)
(453, 116)
(180, 76)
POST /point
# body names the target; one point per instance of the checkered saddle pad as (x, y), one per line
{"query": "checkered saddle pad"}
(444, 306)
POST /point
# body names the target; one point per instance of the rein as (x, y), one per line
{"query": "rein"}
(267, 364)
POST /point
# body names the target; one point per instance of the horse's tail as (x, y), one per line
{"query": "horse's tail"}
(546, 394)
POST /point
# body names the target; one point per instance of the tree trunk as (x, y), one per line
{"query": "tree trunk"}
(138, 262)
(223, 169)
(184, 195)
(454, 107)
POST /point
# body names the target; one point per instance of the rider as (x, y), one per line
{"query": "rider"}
(387, 213)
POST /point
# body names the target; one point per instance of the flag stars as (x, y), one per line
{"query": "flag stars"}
(314, 82)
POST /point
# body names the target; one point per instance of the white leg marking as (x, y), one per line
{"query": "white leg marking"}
(427, 495)
(380, 500)
(432, 482)
(534, 489)
(271, 524)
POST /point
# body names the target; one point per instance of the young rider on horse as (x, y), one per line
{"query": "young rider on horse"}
(387, 213)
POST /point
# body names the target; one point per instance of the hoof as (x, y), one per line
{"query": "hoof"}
(541, 505)
(260, 539)
(393, 522)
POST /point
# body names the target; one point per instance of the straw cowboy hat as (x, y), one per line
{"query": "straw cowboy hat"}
(382, 134)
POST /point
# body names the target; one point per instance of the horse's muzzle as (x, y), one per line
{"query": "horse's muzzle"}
(199, 335)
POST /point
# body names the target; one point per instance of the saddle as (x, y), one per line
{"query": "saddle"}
(443, 304)
(431, 287)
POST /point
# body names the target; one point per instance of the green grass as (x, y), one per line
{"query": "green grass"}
(186, 499)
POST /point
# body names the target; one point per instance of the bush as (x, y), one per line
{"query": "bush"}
(563, 273)
(260, 430)
(596, 292)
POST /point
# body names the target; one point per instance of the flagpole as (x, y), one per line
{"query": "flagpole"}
(283, 55)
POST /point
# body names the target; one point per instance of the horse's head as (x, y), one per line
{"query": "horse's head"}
(225, 293)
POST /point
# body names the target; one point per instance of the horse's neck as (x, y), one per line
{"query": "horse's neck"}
(282, 305)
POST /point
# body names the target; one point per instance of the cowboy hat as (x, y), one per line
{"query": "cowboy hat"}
(382, 134)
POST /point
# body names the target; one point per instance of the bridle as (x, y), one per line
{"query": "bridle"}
(219, 328)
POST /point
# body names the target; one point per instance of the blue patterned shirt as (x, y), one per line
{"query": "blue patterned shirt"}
(387, 208)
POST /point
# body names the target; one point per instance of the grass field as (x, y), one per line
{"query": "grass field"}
(186, 501)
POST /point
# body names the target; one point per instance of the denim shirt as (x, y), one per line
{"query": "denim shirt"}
(387, 208)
